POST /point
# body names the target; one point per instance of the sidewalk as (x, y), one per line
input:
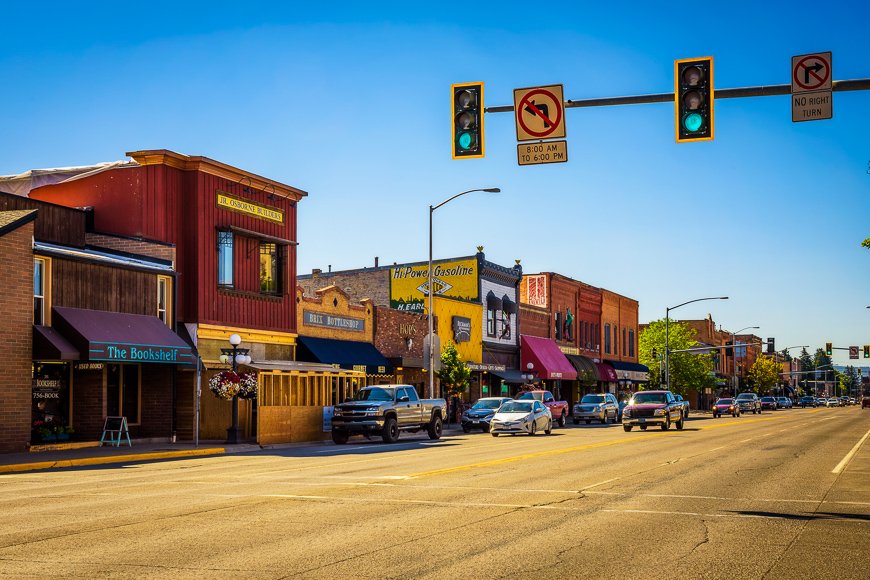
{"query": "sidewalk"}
(140, 451)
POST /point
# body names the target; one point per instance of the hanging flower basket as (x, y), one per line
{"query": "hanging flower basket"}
(228, 384)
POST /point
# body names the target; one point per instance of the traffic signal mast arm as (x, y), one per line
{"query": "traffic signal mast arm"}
(716, 348)
(759, 91)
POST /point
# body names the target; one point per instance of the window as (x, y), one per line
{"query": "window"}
(624, 341)
(631, 343)
(123, 392)
(270, 268)
(225, 259)
(163, 285)
(490, 322)
(606, 339)
(39, 274)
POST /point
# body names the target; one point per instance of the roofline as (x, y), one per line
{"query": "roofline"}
(212, 167)
(17, 223)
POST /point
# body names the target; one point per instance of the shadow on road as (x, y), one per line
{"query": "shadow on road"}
(806, 517)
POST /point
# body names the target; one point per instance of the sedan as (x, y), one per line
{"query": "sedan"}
(521, 417)
(832, 402)
(807, 402)
(725, 406)
(784, 402)
(481, 413)
(768, 403)
(865, 401)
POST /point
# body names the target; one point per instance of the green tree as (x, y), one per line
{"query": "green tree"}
(806, 364)
(764, 374)
(785, 356)
(689, 370)
(454, 373)
(866, 243)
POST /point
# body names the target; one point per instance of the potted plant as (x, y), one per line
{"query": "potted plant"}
(46, 435)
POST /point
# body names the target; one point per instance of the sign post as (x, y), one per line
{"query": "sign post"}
(811, 87)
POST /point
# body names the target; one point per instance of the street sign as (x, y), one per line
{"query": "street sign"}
(540, 113)
(543, 152)
(811, 87)
(853, 352)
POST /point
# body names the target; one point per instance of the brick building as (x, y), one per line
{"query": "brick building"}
(16, 303)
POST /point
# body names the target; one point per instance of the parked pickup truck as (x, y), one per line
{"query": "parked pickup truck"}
(685, 405)
(652, 408)
(558, 409)
(387, 410)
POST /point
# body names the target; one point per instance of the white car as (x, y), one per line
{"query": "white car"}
(833, 402)
(524, 416)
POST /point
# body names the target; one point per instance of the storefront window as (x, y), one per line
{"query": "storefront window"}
(50, 407)
(270, 268)
(123, 392)
(225, 259)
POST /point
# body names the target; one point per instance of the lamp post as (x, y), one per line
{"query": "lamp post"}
(431, 361)
(236, 356)
(667, 335)
(530, 374)
(734, 355)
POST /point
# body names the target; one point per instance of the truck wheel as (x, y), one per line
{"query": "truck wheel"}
(435, 427)
(391, 430)
(562, 419)
(626, 428)
(495, 434)
(339, 437)
(643, 427)
(680, 423)
(667, 424)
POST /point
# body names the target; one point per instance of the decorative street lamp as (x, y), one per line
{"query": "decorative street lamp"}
(236, 356)
(667, 335)
(429, 287)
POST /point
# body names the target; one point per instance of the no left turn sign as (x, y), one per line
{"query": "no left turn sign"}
(540, 113)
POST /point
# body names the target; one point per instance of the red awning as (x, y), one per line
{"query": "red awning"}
(606, 372)
(48, 344)
(548, 360)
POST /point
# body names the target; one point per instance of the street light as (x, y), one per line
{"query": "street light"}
(236, 356)
(667, 335)
(431, 360)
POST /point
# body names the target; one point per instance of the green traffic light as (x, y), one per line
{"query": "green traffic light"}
(465, 140)
(692, 122)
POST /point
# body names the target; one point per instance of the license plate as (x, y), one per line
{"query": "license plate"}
(475, 420)
(641, 420)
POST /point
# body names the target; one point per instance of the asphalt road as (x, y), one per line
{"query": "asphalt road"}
(755, 497)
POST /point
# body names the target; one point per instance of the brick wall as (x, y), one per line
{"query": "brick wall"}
(156, 420)
(132, 246)
(394, 328)
(16, 304)
(358, 284)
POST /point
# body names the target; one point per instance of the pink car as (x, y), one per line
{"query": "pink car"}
(725, 406)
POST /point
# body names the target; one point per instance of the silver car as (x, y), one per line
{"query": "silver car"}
(521, 417)
(601, 407)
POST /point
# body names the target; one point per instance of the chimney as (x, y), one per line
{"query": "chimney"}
(376, 261)
(330, 268)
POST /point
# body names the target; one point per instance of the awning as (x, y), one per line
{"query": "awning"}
(549, 362)
(507, 305)
(300, 367)
(629, 370)
(510, 376)
(119, 337)
(49, 344)
(347, 354)
(493, 302)
(606, 373)
(586, 371)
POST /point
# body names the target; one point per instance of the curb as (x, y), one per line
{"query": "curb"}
(23, 467)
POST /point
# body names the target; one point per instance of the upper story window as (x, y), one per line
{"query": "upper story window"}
(164, 283)
(270, 268)
(607, 339)
(631, 343)
(225, 259)
(40, 273)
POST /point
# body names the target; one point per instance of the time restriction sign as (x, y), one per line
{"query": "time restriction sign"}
(540, 113)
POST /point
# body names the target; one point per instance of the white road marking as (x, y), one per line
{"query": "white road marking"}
(599, 483)
(842, 465)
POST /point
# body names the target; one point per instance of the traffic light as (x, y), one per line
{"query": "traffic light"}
(829, 348)
(693, 99)
(867, 351)
(771, 349)
(467, 120)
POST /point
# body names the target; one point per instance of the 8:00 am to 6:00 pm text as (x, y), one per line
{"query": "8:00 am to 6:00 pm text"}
(543, 152)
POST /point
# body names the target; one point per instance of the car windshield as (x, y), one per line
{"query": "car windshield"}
(650, 398)
(745, 396)
(374, 394)
(487, 404)
(592, 399)
(768, 399)
(531, 397)
(724, 401)
(516, 407)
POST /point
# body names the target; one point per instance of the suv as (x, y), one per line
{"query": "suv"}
(807, 402)
(749, 403)
(600, 407)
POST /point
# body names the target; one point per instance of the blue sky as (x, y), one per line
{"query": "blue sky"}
(351, 103)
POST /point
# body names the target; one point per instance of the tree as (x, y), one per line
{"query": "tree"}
(764, 374)
(689, 370)
(454, 373)
(785, 356)
(866, 243)
(806, 364)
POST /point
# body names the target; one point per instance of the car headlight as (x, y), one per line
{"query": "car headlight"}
(626, 412)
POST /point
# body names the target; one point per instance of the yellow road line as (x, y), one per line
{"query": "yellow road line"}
(21, 467)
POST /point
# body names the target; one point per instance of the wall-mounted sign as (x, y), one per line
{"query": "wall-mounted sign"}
(139, 353)
(478, 367)
(89, 366)
(409, 285)
(310, 318)
(536, 290)
(461, 329)
(227, 201)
